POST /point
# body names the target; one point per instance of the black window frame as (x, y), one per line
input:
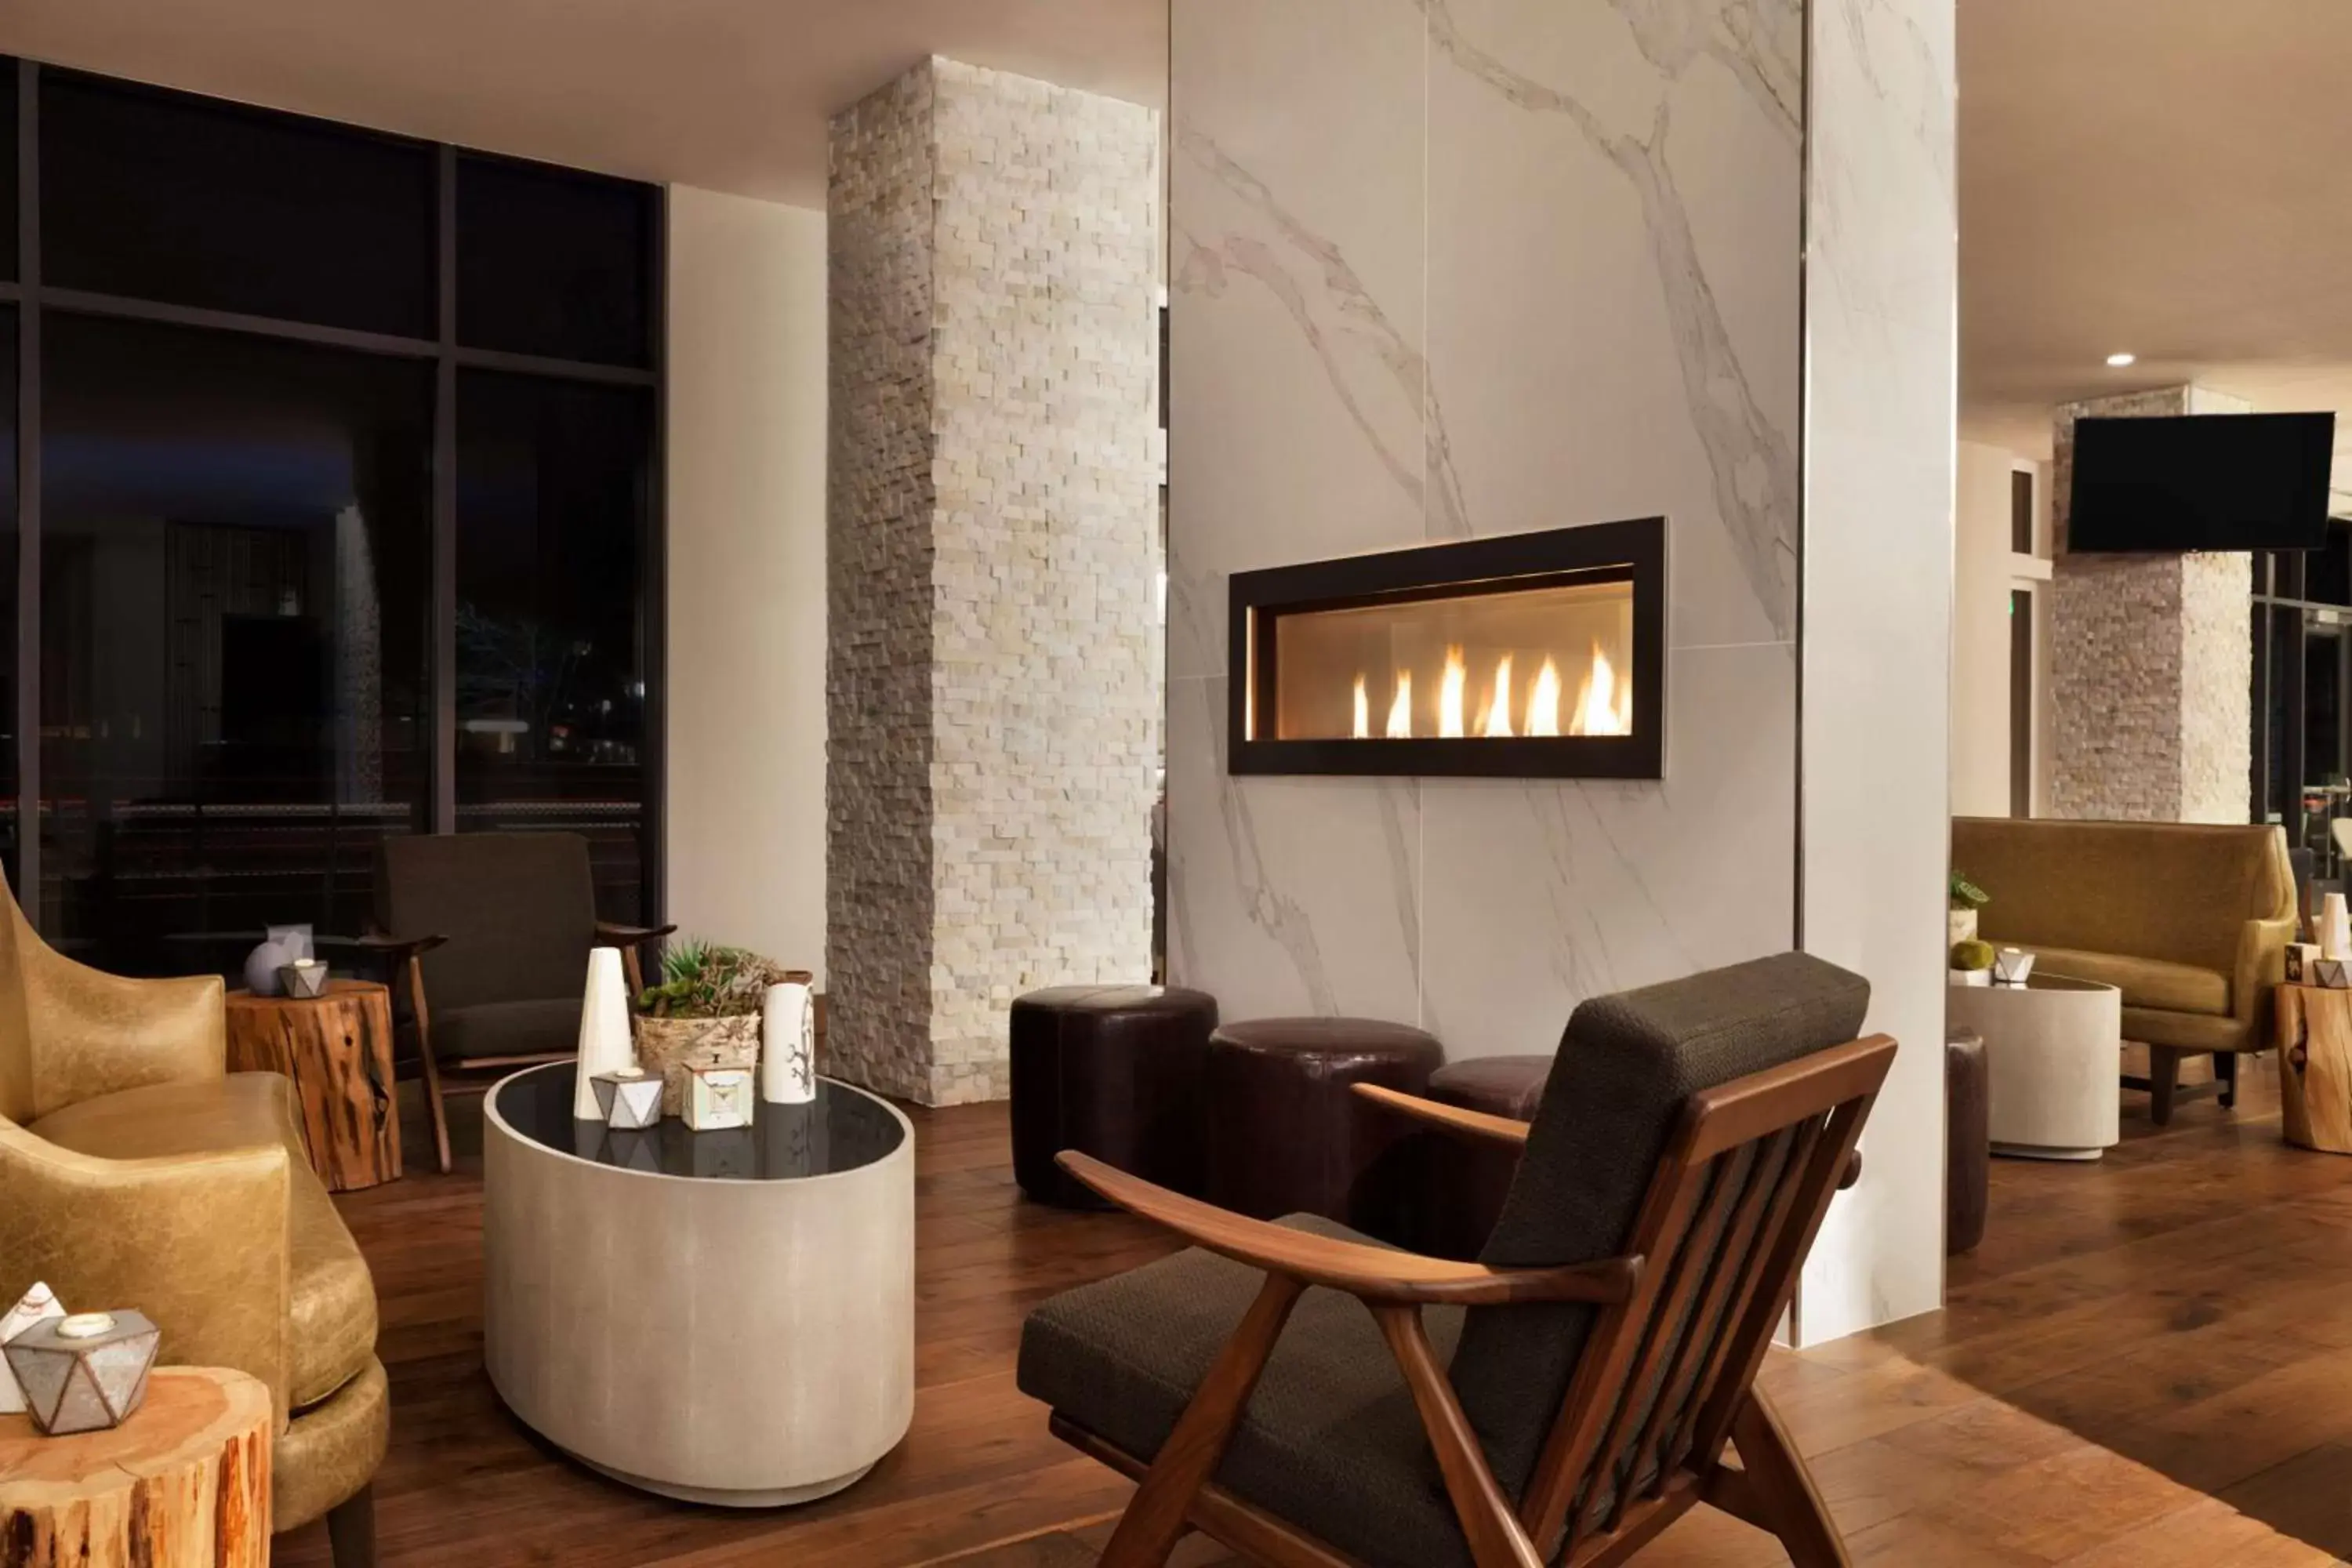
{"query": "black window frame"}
(30, 298)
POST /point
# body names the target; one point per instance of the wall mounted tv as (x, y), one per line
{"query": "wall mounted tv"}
(2203, 482)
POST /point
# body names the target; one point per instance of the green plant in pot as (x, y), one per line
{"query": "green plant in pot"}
(1966, 899)
(704, 1013)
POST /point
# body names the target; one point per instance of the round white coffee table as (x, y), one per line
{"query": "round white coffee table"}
(723, 1317)
(2054, 1055)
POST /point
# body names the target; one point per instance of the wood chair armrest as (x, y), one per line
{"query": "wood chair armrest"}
(1452, 1118)
(631, 936)
(1371, 1273)
(397, 948)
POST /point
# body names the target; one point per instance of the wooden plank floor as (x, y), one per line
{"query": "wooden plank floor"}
(2148, 1363)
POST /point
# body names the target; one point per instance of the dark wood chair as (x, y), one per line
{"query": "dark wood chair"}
(1561, 1400)
(489, 934)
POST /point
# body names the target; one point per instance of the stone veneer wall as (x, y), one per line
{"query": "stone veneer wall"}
(994, 672)
(2151, 658)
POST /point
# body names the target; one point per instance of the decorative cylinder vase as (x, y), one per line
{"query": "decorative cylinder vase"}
(1963, 926)
(788, 1044)
(2335, 928)
(603, 1030)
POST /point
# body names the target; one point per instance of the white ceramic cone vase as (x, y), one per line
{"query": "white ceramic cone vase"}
(603, 1030)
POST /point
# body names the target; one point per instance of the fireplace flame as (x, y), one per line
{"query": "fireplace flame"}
(1363, 728)
(1498, 722)
(1449, 696)
(1603, 705)
(1543, 701)
(1400, 708)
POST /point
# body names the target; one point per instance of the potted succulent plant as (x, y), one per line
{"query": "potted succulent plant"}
(705, 1012)
(1966, 899)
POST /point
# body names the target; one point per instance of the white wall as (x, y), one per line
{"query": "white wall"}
(745, 817)
(1986, 570)
(1881, 288)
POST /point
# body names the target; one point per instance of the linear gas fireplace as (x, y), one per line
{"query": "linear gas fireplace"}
(1526, 655)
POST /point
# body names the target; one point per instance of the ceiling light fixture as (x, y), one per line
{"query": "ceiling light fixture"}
(2117, 362)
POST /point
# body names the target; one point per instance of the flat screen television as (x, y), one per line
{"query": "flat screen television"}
(2202, 482)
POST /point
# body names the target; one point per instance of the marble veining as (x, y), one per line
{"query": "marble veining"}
(1309, 275)
(1753, 464)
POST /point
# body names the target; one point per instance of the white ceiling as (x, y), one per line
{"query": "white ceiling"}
(727, 94)
(2171, 178)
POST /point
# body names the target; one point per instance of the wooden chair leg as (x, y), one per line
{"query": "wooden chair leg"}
(351, 1529)
(1497, 1537)
(2163, 1079)
(1784, 1487)
(433, 1102)
(1155, 1517)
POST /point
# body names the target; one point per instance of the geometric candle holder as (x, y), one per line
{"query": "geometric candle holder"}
(40, 1302)
(2335, 973)
(718, 1099)
(84, 1372)
(630, 1097)
(2011, 965)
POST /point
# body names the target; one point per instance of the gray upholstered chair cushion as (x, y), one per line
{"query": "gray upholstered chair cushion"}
(1626, 1065)
(519, 909)
(534, 1027)
(1330, 1440)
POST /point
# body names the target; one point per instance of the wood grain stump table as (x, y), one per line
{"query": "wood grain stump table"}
(183, 1483)
(338, 1050)
(2315, 1040)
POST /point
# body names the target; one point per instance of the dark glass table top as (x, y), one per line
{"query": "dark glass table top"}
(840, 1130)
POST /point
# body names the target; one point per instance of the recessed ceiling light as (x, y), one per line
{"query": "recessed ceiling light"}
(2117, 362)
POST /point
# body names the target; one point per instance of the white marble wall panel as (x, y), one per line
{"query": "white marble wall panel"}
(1444, 268)
(1296, 282)
(1881, 286)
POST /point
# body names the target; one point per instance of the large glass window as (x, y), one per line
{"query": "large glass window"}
(554, 262)
(235, 582)
(186, 200)
(553, 489)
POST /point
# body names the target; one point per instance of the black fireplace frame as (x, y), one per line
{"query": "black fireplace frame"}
(1631, 550)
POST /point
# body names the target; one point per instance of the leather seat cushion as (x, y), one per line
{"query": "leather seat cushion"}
(2149, 982)
(531, 1028)
(1499, 1085)
(331, 1323)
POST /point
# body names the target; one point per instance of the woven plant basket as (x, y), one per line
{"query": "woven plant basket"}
(675, 1047)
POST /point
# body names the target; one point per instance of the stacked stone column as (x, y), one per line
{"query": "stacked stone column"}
(994, 679)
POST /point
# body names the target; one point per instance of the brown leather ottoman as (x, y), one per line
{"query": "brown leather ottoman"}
(1468, 1177)
(1113, 1071)
(1287, 1134)
(1967, 1141)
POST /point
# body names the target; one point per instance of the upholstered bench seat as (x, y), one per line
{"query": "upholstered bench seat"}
(2145, 982)
(1330, 1439)
(331, 1302)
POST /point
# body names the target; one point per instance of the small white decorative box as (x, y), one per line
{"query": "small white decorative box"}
(2302, 963)
(630, 1097)
(2335, 973)
(39, 1303)
(2010, 966)
(718, 1098)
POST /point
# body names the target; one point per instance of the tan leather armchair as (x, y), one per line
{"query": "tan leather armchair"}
(137, 1171)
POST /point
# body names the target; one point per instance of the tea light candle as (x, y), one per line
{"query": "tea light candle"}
(84, 1325)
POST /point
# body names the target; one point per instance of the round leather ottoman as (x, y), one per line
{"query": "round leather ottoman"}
(1967, 1141)
(1468, 1177)
(1113, 1071)
(1287, 1134)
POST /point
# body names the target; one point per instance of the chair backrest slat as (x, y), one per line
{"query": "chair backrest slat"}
(1729, 1213)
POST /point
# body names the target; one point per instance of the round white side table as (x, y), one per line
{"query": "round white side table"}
(2054, 1056)
(724, 1316)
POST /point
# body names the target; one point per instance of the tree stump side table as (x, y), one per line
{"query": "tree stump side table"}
(2315, 1041)
(338, 1050)
(185, 1483)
